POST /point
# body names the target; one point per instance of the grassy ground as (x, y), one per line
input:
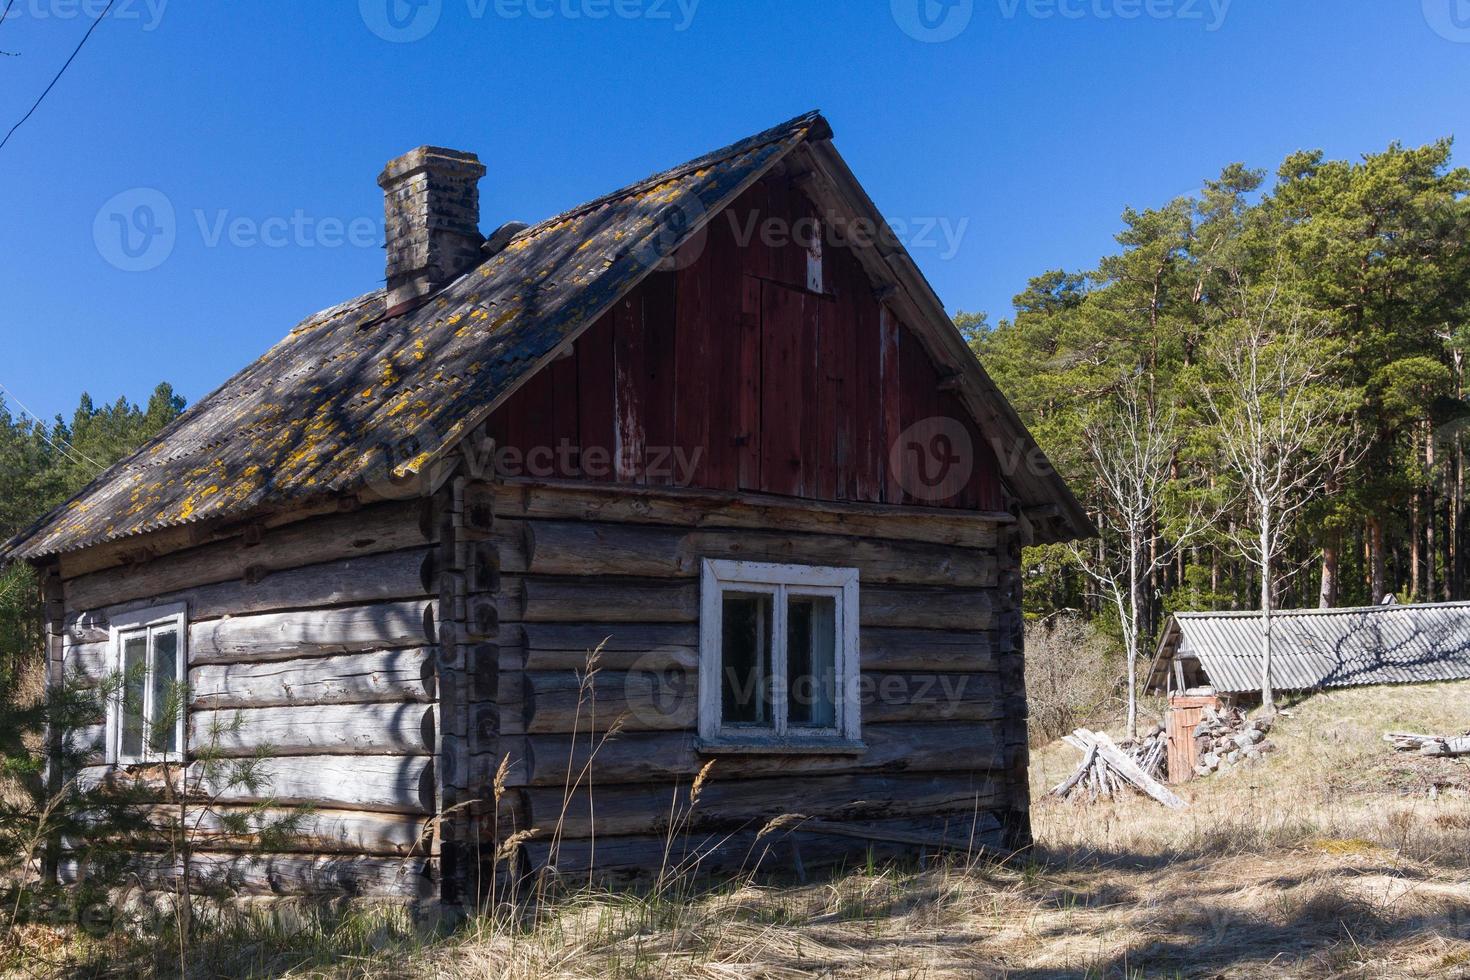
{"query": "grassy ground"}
(1336, 858)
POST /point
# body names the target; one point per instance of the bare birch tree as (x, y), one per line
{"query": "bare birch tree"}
(1131, 449)
(1282, 430)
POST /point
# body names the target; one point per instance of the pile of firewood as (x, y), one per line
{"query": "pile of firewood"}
(1225, 738)
(1430, 744)
(1107, 767)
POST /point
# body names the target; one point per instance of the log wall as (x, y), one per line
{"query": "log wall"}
(387, 661)
(315, 643)
(942, 725)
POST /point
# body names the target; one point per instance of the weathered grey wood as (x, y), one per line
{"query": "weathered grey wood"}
(565, 702)
(657, 659)
(1119, 763)
(284, 636)
(736, 803)
(608, 601)
(136, 549)
(360, 580)
(388, 784)
(372, 530)
(303, 829)
(1430, 745)
(583, 548)
(84, 662)
(926, 650)
(699, 508)
(599, 600)
(969, 837)
(333, 729)
(720, 853)
(926, 608)
(890, 697)
(613, 637)
(285, 874)
(349, 678)
(631, 757)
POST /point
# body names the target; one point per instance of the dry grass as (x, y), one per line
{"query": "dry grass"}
(1331, 860)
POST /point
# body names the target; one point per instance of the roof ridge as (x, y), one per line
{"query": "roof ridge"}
(811, 120)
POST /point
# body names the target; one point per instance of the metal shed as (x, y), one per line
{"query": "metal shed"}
(1315, 648)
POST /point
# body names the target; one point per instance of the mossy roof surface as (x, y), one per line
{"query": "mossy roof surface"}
(350, 397)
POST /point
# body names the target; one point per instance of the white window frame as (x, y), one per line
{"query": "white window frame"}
(721, 576)
(146, 621)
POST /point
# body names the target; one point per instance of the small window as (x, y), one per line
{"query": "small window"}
(778, 655)
(145, 717)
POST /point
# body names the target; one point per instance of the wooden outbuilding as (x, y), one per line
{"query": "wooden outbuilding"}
(715, 425)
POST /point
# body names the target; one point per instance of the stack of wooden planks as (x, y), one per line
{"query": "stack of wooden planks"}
(1225, 738)
(1430, 744)
(1107, 768)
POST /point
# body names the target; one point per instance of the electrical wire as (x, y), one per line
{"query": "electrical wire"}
(72, 453)
(64, 67)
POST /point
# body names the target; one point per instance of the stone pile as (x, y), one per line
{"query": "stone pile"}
(1225, 738)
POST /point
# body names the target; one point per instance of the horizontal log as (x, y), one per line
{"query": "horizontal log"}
(371, 530)
(965, 610)
(360, 580)
(334, 729)
(294, 830)
(599, 600)
(568, 701)
(925, 650)
(594, 548)
(85, 662)
(285, 636)
(608, 600)
(282, 874)
(695, 855)
(700, 508)
(893, 697)
(136, 549)
(350, 678)
(620, 646)
(385, 784)
(631, 757)
(740, 804)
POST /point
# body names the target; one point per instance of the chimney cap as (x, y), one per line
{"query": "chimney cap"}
(461, 163)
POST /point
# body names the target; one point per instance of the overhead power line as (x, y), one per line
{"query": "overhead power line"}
(31, 111)
(66, 449)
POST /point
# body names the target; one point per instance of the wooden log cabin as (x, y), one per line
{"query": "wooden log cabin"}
(714, 425)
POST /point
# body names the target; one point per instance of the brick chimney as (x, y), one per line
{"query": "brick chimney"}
(431, 199)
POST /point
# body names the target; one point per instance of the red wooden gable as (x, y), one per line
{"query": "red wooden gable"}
(760, 364)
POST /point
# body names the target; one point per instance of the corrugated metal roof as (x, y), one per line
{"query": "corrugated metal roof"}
(349, 398)
(1314, 648)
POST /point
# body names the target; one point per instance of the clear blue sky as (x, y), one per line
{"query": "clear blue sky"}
(1025, 135)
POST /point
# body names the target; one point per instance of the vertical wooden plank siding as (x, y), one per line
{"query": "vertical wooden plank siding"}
(629, 374)
(765, 362)
(596, 423)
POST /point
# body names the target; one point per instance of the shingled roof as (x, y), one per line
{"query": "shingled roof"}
(1319, 648)
(331, 408)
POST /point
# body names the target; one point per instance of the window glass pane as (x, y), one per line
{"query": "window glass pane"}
(746, 659)
(811, 661)
(165, 680)
(135, 675)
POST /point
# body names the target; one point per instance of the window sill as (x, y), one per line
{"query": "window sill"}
(785, 746)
